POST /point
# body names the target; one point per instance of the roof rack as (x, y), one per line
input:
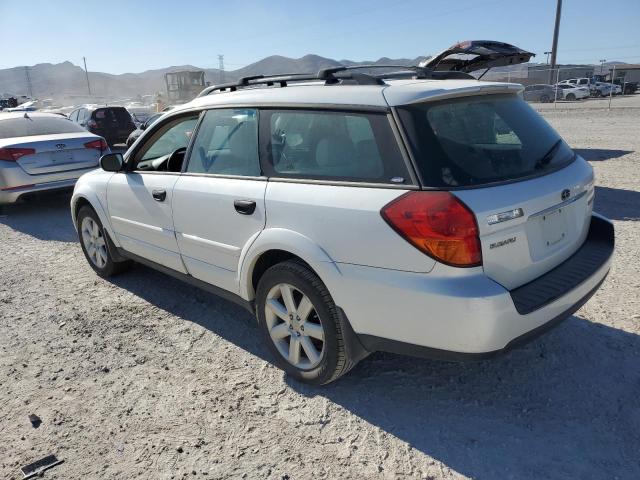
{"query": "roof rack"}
(345, 76)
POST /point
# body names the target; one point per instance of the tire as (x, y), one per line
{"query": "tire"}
(95, 244)
(334, 359)
(545, 99)
(571, 97)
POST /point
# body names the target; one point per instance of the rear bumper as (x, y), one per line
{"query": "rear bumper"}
(16, 183)
(468, 315)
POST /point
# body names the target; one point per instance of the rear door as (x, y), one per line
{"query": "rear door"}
(531, 195)
(218, 201)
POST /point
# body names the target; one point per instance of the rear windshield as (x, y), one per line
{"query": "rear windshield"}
(24, 127)
(480, 140)
(120, 115)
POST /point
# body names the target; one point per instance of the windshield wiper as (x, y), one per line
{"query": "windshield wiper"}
(548, 156)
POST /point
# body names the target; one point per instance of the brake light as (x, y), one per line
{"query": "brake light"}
(99, 144)
(438, 224)
(13, 154)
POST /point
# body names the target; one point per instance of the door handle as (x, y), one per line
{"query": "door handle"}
(245, 207)
(159, 195)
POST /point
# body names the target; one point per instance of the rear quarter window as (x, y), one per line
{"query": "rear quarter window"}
(481, 140)
(331, 145)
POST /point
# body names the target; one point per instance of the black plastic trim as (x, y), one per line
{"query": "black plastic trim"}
(373, 343)
(232, 297)
(589, 258)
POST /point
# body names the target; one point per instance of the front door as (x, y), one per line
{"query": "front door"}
(139, 200)
(218, 202)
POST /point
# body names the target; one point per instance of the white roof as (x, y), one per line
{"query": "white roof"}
(394, 92)
(20, 114)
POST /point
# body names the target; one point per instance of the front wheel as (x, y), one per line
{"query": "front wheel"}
(94, 242)
(301, 324)
(545, 99)
(571, 97)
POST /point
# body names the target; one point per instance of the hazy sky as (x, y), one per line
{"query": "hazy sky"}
(120, 36)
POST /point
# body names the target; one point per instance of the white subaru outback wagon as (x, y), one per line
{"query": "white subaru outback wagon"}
(416, 210)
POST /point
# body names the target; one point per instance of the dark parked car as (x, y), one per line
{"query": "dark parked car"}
(133, 136)
(539, 93)
(112, 123)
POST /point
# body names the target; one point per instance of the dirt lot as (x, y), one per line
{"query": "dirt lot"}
(144, 377)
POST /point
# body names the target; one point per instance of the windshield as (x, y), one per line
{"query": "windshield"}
(25, 127)
(480, 140)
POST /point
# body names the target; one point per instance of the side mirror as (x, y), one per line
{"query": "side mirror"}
(112, 162)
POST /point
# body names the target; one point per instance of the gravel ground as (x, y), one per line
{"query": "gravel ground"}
(145, 377)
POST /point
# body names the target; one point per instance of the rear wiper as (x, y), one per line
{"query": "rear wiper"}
(548, 156)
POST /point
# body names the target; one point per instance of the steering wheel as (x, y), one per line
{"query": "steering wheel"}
(174, 163)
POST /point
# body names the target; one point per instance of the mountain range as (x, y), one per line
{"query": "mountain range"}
(66, 79)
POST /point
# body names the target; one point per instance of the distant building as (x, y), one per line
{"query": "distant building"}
(627, 72)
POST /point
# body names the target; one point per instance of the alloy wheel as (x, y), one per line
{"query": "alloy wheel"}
(94, 242)
(294, 326)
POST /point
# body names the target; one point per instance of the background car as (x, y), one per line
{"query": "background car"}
(114, 124)
(566, 91)
(539, 93)
(133, 136)
(43, 151)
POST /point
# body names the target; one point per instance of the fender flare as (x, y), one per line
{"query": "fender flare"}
(288, 241)
(90, 196)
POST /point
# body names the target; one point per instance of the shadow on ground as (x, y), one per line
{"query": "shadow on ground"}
(617, 203)
(599, 154)
(45, 217)
(564, 406)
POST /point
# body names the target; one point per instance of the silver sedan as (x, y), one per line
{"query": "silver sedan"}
(43, 151)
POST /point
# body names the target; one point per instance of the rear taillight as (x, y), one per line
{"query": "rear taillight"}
(438, 224)
(13, 154)
(99, 144)
(91, 123)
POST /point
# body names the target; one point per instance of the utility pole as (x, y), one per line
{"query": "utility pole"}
(29, 86)
(602, 60)
(221, 67)
(556, 32)
(547, 54)
(86, 73)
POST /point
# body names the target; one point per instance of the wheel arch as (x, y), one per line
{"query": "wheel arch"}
(277, 245)
(89, 198)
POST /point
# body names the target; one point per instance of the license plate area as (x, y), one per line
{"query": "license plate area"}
(552, 232)
(60, 158)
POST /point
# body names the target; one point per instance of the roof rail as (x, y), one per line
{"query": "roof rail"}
(346, 75)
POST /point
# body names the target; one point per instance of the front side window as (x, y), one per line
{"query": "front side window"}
(226, 144)
(481, 140)
(343, 146)
(167, 140)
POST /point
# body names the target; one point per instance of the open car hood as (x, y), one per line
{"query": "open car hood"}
(476, 55)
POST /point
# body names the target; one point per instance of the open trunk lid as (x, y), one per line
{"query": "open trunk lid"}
(476, 55)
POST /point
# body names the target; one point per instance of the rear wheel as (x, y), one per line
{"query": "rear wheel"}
(94, 242)
(571, 97)
(301, 324)
(545, 99)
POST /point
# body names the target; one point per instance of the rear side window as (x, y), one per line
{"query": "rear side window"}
(24, 127)
(226, 143)
(481, 140)
(321, 145)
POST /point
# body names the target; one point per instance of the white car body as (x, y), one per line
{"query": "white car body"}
(372, 273)
(567, 91)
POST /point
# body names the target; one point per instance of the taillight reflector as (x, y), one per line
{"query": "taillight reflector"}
(438, 224)
(13, 154)
(99, 144)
